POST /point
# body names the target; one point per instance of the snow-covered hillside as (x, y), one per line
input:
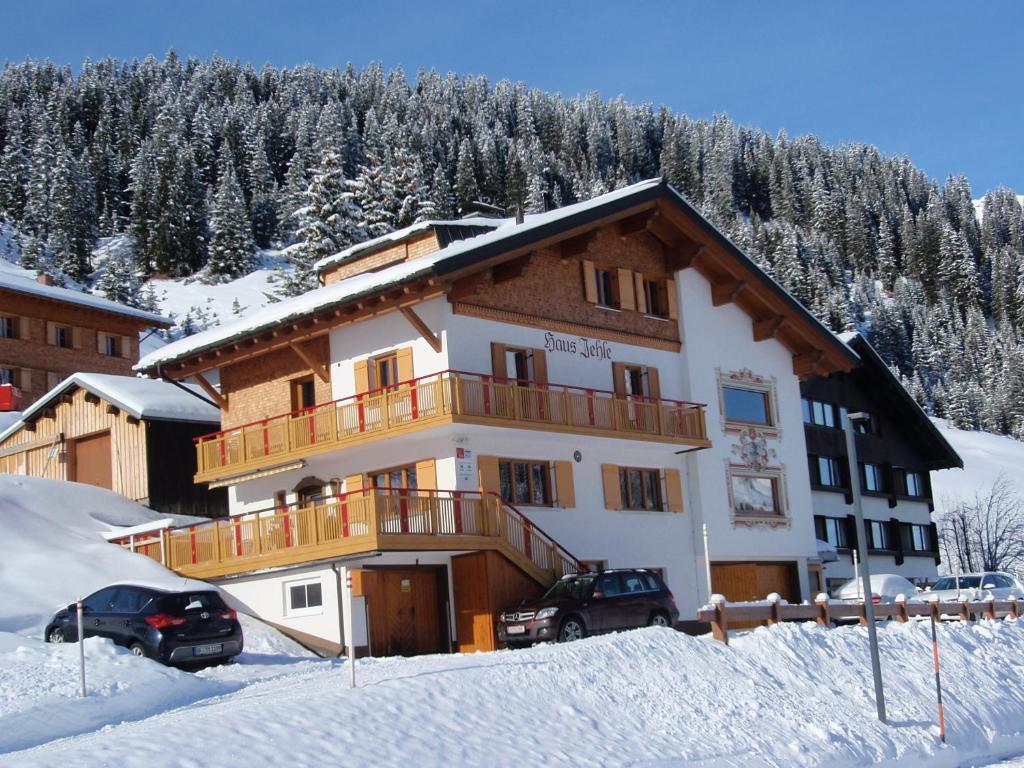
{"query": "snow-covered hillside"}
(986, 457)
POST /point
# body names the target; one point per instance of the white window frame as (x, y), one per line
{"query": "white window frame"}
(315, 610)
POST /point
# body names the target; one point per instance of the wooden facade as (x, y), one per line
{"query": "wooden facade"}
(51, 338)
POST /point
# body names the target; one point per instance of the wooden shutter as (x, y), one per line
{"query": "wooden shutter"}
(653, 383)
(565, 491)
(540, 366)
(76, 337)
(126, 346)
(610, 483)
(589, 282)
(405, 372)
(499, 364)
(673, 490)
(490, 481)
(619, 378)
(670, 292)
(426, 475)
(361, 370)
(627, 296)
(51, 335)
(641, 297)
(25, 381)
(354, 485)
(99, 342)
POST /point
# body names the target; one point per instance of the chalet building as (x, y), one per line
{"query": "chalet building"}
(133, 436)
(897, 449)
(48, 333)
(463, 413)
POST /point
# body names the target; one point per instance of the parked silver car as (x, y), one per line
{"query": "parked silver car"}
(977, 586)
(884, 589)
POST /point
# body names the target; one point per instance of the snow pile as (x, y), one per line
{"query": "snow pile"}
(793, 695)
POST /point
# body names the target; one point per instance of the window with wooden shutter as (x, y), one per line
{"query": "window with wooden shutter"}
(361, 371)
(565, 492)
(610, 484)
(487, 467)
(627, 295)
(674, 490)
(589, 282)
(636, 381)
(8, 327)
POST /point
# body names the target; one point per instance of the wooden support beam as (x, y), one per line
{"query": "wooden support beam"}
(664, 230)
(684, 255)
(465, 286)
(805, 363)
(422, 328)
(131, 420)
(91, 398)
(634, 225)
(313, 364)
(510, 270)
(768, 328)
(723, 293)
(211, 390)
(113, 410)
(575, 247)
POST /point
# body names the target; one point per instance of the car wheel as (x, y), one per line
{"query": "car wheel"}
(659, 619)
(56, 635)
(572, 629)
(138, 649)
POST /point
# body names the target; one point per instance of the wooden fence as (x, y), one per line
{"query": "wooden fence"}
(722, 615)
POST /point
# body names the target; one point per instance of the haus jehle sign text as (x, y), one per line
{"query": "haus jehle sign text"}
(578, 345)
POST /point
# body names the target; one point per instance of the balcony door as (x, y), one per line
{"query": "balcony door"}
(396, 485)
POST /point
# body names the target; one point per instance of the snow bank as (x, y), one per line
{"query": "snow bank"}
(793, 695)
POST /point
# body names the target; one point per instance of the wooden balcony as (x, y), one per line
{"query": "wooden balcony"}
(396, 520)
(443, 398)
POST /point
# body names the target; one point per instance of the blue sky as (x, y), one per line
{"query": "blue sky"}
(938, 81)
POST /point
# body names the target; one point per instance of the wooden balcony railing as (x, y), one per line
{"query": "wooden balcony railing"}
(357, 523)
(449, 396)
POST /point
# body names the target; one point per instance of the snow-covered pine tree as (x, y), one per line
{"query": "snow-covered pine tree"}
(232, 248)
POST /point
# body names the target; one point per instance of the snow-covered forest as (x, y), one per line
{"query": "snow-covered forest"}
(204, 162)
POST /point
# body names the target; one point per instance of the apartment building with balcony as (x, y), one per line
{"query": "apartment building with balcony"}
(48, 333)
(898, 447)
(462, 413)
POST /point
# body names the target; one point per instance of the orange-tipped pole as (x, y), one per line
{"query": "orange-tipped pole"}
(938, 680)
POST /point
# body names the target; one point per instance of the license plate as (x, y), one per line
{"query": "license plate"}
(207, 650)
(516, 629)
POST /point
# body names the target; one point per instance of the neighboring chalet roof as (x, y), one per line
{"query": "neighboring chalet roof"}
(889, 391)
(447, 231)
(10, 281)
(652, 205)
(144, 399)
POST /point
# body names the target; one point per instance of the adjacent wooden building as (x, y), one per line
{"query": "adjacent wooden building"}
(133, 436)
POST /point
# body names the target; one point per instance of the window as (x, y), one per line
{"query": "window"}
(655, 297)
(921, 538)
(303, 393)
(915, 484)
(878, 535)
(640, 488)
(100, 601)
(872, 478)
(385, 371)
(309, 490)
(609, 585)
(129, 601)
(62, 336)
(746, 405)
(305, 597)
(8, 328)
(755, 495)
(832, 530)
(817, 412)
(607, 287)
(828, 471)
(111, 345)
(519, 365)
(634, 581)
(397, 478)
(525, 482)
(8, 376)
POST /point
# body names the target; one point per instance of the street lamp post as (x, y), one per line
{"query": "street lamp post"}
(865, 566)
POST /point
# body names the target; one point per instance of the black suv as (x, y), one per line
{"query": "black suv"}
(178, 628)
(589, 603)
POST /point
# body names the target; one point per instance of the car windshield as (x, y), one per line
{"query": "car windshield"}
(966, 582)
(576, 587)
(190, 601)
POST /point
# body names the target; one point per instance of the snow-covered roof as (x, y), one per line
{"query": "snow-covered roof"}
(141, 398)
(456, 255)
(402, 234)
(14, 282)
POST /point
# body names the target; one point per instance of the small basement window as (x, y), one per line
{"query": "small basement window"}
(305, 597)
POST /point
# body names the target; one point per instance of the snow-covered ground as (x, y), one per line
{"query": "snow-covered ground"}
(986, 457)
(790, 695)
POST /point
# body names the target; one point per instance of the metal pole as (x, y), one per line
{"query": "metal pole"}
(351, 641)
(707, 561)
(862, 548)
(81, 648)
(938, 680)
(856, 573)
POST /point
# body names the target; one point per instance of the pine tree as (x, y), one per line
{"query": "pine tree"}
(466, 190)
(232, 249)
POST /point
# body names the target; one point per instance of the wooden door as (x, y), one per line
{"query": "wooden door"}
(405, 612)
(743, 582)
(93, 460)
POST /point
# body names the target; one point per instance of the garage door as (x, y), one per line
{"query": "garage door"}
(741, 582)
(93, 460)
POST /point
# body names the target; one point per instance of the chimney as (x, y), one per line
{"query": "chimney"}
(44, 279)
